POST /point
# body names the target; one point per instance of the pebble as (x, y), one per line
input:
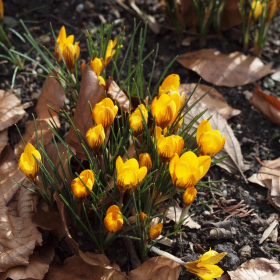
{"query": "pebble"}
(206, 213)
(35, 95)
(88, 5)
(231, 261)
(79, 8)
(238, 126)
(67, 101)
(40, 71)
(245, 252)
(224, 193)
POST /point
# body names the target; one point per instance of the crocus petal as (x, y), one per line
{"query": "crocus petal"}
(141, 173)
(211, 257)
(204, 126)
(191, 159)
(119, 164)
(204, 163)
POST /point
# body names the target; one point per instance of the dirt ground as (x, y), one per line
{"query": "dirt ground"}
(255, 132)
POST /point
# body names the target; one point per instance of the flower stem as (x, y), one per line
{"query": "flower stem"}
(182, 216)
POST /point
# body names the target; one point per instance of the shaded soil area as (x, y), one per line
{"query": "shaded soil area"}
(256, 133)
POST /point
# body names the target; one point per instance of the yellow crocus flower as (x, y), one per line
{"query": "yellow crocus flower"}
(77, 186)
(205, 266)
(145, 160)
(187, 170)
(104, 113)
(27, 163)
(95, 137)
(189, 196)
(142, 217)
(61, 41)
(129, 173)
(256, 8)
(113, 220)
(70, 54)
(110, 52)
(155, 231)
(209, 141)
(165, 109)
(1, 10)
(96, 65)
(272, 9)
(135, 119)
(170, 86)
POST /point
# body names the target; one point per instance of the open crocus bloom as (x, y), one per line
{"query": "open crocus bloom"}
(110, 52)
(135, 119)
(27, 163)
(78, 187)
(113, 220)
(129, 173)
(187, 170)
(205, 266)
(209, 141)
(61, 41)
(104, 113)
(155, 231)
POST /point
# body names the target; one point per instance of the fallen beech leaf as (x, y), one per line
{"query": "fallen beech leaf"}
(234, 162)
(254, 269)
(231, 70)
(75, 268)
(30, 136)
(11, 110)
(231, 14)
(18, 238)
(158, 268)
(269, 230)
(90, 92)
(52, 94)
(8, 172)
(212, 100)
(268, 176)
(223, 224)
(267, 104)
(36, 269)
(3, 139)
(117, 95)
(175, 213)
(50, 221)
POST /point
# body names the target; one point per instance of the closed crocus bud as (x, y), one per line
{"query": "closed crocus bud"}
(272, 9)
(189, 196)
(145, 160)
(62, 40)
(70, 54)
(142, 217)
(205, 266)
(129, 173)
(256, 9)
(209, 141)
(104, 113)
(113, 220)
(1, 10)
(95, 137)
(187, 170)
(154, 232)
(27, 163)
(169, 146)
(135, 119)
(78, 187)
(82, 67)
(170, 86)
(165, 108)
(96, 65)
(110, 52)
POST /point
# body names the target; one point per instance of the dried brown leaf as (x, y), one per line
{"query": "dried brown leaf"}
(213, 100)
(75, 268)
(234, 162)
(30, 136)
(267, 104)
(18, 238)
(38, 266)
(219, 233)
(269, 230)
(158, 268)
(234, 69)
(3, 139)
(269, 177)
(8, 172)
(52, 94)
(231, 15)
(11, 110)
(90, 92)
(254, 269)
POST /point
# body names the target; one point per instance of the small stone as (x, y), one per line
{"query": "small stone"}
(206, 213)
(46, 40)
(40, 71)
(79, 8)
(238, 126)
(245, 252)
(224, 193)
(67, 101)
(237, 177)
(231, 262)
(35, 95)
(88, 5)
(17, 92)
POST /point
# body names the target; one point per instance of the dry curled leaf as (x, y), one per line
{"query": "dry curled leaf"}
(38, 266)
(234, 162)
(158, 268)
(90, 92)
(254, 269)
(219, 233)
(18, 238)
(3, 139)
(271, 231)
(29, 135)
(8, 172)
(11, 110)
(53, 95)
(267, 104)
(231, 70)
(212, 100)
(269, 177)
